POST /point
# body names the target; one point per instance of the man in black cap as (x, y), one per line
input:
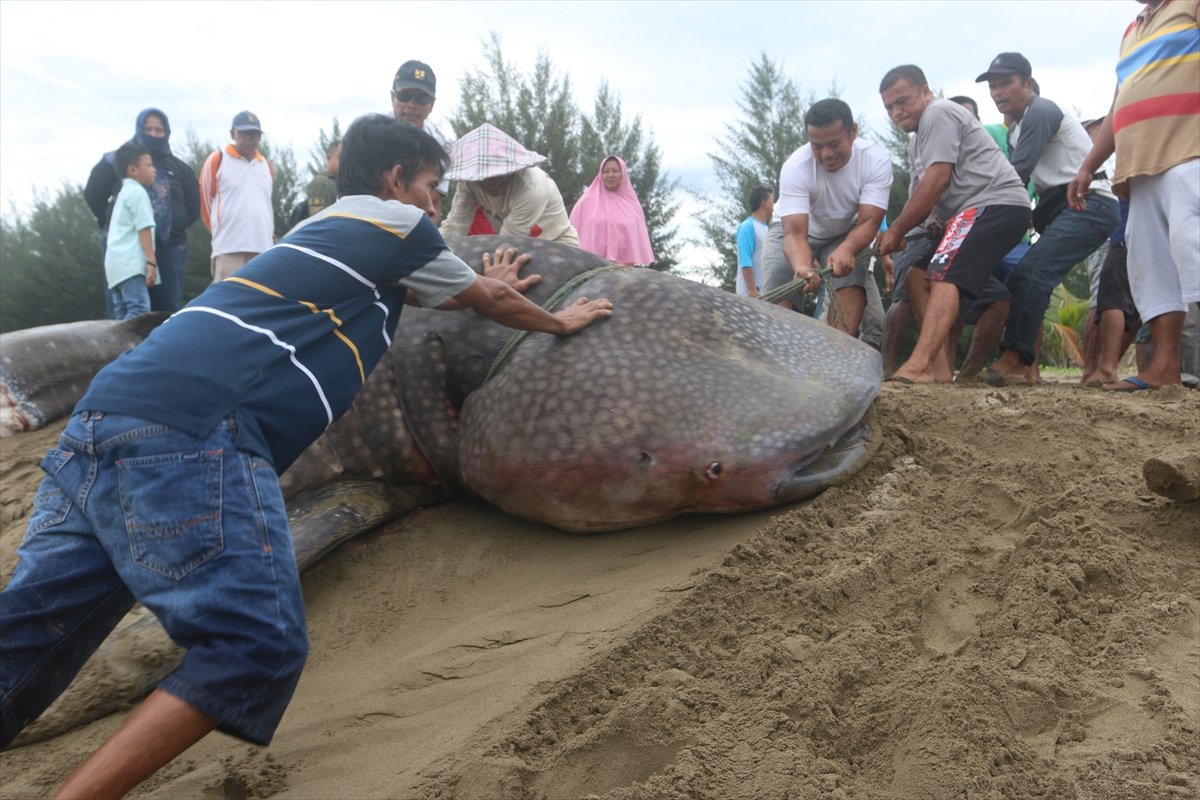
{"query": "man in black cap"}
(235, 198)
(414, 91)
(1046, 145)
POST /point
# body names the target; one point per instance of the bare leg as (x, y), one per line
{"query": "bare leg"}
(988, 330)
(1163, 369)
(917, 286)
(1092, 342)
(952, 344)
(927, 363)
(846, 309)
(894, 324)
(1111, 341)
(161, 728)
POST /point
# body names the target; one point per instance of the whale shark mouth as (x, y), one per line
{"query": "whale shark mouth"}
(831, 465)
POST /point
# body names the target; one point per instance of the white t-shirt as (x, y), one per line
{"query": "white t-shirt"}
(831, 199)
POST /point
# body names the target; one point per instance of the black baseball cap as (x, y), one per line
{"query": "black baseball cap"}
(415, 75)
(1007, 64)
(245, 121)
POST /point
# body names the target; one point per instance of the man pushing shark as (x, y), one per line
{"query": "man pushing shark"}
(163, 487)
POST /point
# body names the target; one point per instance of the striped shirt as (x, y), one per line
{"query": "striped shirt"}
(1156, 118)
(286, 344)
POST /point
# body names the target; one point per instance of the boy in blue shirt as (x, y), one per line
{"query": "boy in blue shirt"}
(129, 266)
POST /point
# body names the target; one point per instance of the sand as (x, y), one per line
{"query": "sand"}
(996, 607)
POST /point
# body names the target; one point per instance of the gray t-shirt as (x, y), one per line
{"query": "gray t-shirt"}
(980, 176)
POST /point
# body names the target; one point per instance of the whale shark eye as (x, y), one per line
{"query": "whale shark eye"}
(713, 471)
(644, 459)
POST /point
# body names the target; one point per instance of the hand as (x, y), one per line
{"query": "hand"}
(151, 275)
(1077, 190)
(811, 279)
(504, 265)
(889, 273)
(581, 313)
(841, 262)
(891, 241)
(751, 291)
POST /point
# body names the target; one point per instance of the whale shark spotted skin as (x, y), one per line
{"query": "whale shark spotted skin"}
(688, 399)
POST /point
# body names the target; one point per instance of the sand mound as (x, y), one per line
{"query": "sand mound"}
(997, 607)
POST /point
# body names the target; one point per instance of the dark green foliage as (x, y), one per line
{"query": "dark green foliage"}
(50, 265)
(751, 153)
(539, 111)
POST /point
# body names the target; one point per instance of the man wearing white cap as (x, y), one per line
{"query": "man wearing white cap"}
(501, 190)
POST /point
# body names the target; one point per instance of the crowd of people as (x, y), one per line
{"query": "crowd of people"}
(187, 432)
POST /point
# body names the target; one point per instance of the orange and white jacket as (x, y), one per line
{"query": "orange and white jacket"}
(235, 201)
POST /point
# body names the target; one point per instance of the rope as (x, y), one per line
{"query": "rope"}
(551, 305)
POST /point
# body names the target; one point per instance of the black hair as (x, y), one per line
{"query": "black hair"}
(826, 112)
(375, 143)
(757, 196)
(906, 72)
(963, 100)
(126, 156)
(334, 145)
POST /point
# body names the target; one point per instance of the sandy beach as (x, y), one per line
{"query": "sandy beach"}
(995, 607)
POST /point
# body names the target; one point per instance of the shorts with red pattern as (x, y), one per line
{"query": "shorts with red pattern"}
(975, 241)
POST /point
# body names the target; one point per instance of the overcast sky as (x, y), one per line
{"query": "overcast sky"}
(73, 76)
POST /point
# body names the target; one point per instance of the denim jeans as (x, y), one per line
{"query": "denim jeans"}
(130, 298)
(191, 527)
(1068, 240)
(172, 263)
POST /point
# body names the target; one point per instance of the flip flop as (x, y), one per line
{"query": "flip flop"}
(1136, 384)
(901, 380)
(993, 378)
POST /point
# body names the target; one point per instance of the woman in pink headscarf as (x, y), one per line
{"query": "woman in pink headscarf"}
(610, 219)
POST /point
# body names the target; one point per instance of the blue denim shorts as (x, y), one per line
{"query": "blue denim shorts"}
(195, 530)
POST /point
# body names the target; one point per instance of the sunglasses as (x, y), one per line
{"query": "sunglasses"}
(413, 96)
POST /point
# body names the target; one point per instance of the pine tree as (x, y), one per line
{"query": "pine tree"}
(751, 153)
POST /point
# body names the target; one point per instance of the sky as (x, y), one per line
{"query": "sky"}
(73, 76)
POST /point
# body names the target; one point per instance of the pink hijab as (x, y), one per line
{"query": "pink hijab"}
(612, 224)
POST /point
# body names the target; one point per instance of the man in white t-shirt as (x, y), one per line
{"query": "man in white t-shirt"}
(833, 192)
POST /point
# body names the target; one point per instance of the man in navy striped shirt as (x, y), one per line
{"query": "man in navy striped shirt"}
(163, 487)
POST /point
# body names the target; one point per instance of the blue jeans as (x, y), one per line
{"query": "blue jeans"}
(172, 262)
(1068, 240)
(130, 297)
(191, 527)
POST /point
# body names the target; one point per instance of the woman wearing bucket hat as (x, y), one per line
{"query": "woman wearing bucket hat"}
(501, 190)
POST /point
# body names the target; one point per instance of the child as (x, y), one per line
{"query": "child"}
(129, 265)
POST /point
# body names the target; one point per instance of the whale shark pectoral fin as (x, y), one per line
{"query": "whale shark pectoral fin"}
(429, 411)
(837, 463)
(324, 518)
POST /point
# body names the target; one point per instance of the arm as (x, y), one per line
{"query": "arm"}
(1038, 125)
(462, 209)
(841, 260)
(191, 192)
(208, 189)
(146, 239)
(920, 204)
(99, 190)
(797, 251)
(1102, 147)
(529, 199)
(501, 303)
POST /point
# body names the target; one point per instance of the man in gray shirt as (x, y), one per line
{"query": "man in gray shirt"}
(1047, 146)
(966, 181)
